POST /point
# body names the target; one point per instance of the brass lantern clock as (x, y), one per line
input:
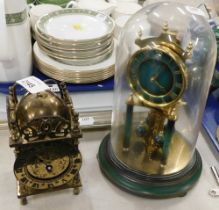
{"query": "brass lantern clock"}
(44, 132)
(164, 66)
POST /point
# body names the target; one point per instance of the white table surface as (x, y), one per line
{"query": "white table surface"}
(98, 193)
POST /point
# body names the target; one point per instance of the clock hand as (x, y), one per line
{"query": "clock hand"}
(154, 78)
(43, 160)
(159, 85)
(159, 72)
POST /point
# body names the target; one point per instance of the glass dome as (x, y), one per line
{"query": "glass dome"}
(165, 60)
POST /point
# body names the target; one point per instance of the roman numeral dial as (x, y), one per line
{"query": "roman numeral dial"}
(46, 167)
(157, 76)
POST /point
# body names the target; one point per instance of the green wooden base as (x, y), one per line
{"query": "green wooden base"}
(141, 184)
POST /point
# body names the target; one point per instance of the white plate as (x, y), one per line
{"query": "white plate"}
(51, 63)
(73, 47)
(89, 53)
(75, 25)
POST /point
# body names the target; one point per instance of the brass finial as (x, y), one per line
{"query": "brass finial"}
(188, 51)
(189, 47)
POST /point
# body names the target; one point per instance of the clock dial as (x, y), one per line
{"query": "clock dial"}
(157, 76)
(47, 166)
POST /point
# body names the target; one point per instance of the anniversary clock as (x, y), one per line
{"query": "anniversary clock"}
(44, 132)
(164, 67)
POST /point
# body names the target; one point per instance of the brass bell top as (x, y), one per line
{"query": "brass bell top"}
(43, 116)
(39, 105)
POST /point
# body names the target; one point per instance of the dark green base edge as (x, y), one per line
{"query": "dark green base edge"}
(141, 184)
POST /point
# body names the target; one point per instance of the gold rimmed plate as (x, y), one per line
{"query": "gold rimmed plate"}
(75, 54)
(74, 45)
(75, 78)
(75, 26)
(69, 70)
(78, 61)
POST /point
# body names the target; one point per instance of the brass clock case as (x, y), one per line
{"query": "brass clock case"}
(44, 130)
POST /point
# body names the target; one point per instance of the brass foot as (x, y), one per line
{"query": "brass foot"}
(23, 201)
(76, 191)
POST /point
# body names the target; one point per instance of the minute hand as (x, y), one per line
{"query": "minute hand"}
(159, 85)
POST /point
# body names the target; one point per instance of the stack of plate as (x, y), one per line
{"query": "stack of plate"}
(78, 45)
(74, 74)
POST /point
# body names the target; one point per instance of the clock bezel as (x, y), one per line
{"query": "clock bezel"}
(178, 60)
(25, 178)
